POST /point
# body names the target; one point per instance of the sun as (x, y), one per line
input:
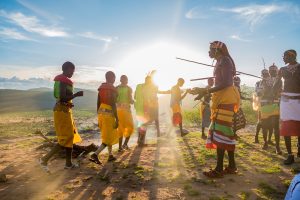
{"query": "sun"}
(161, 56)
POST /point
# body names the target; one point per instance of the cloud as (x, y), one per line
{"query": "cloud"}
(94, 36)
(85, 76)
(10, 33)
(237, 37)
(272, 37)
(35, 82)
(108, 40)
(32, 24)
(195, 13)
(23, 84)
(40, 11)
(256, 14)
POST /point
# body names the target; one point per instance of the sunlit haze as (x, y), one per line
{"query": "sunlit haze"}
(135, 37)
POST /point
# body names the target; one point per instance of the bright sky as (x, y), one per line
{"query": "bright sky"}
(135, 37)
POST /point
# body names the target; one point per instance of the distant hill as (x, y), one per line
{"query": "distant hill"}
(40, 99)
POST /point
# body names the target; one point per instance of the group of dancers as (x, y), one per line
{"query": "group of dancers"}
(278, 104)
(220, 109)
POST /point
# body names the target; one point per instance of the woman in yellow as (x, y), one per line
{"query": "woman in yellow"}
(107, 117)
(124, 100)
(64, 124)
(225, 102)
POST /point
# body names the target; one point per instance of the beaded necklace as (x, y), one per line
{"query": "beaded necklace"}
(292, 68)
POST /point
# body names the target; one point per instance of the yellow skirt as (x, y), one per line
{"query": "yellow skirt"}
(65, 128)
(126, 127)
(106, 122)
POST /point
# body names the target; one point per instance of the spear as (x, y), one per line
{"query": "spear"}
(264, 62)
(199, 79)
(205, 78)
(213, 66)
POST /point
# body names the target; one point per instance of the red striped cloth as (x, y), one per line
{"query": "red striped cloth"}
(220, 132)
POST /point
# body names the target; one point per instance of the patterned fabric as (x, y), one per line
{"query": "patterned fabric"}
(220, 132)
(224, 104)
(239, 120)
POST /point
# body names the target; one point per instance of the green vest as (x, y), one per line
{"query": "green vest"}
(123, 94)
(57, 89)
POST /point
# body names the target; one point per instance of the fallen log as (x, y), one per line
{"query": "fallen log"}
(78, 150)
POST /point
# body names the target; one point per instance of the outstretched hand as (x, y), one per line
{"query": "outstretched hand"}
(188, 91)
(78, 94)
(200, 92)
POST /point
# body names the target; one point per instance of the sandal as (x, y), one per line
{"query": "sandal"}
(229, 170)
(212, 173)
(94, 158)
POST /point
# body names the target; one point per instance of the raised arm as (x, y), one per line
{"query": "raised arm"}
(164, 92)
(184, 95)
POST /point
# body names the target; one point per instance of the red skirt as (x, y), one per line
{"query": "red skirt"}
(290, 128)
(177, 118)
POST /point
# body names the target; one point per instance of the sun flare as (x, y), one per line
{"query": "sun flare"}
(161, 56)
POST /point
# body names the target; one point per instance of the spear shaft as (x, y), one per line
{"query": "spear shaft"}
(199, 79)
(213, 66)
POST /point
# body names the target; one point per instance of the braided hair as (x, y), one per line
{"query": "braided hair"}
(222, 48)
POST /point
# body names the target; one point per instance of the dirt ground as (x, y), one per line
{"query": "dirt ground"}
(170, 167)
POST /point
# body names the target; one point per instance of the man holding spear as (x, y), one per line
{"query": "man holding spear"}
(225, 102)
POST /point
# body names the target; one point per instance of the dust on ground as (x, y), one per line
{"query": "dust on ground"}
(169, 167)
